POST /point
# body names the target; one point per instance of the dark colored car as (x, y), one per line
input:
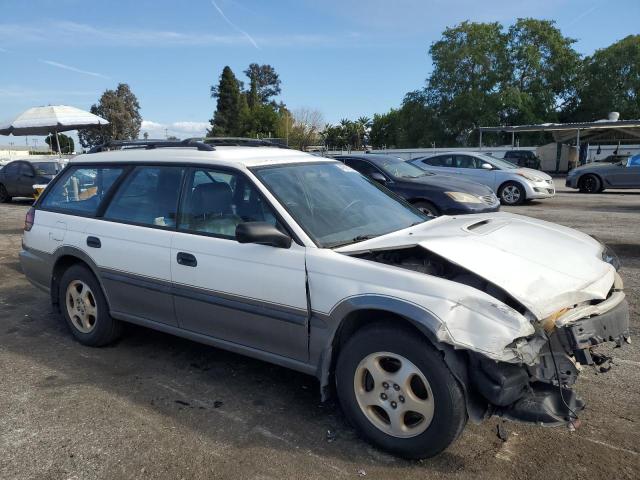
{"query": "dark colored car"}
(431, 193)
(523, 158)
(598, 176)
(613, 159)
(18, 178)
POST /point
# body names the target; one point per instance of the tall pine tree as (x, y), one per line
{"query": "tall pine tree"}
(227, 119)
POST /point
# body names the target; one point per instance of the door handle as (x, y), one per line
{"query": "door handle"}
(187, 259)
(94, 242)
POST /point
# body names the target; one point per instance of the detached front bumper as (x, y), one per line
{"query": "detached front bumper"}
(541, 393)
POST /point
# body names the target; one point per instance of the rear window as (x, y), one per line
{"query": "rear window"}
(81, 189)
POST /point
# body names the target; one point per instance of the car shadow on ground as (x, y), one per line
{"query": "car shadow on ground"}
(218, 394)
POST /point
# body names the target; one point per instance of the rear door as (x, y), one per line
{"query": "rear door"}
(131, 243)
(246, 294)
(26, 179)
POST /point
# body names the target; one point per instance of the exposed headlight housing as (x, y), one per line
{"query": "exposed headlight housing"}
(463, 197)
(610, 257)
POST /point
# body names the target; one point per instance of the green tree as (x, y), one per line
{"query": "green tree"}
(544, 72)
(470, 66)
(121, 108)
(66, 144)
(266, 80)
(610, 82)
(230, 107)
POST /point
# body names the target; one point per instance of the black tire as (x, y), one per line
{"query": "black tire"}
(449, 410)
(105, 329)
(4, 195)
(590, 183)
(512, 193)
(427, 207)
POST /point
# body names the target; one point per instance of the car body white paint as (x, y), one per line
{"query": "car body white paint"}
(545, 266)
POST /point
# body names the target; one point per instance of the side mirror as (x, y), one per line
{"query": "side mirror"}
(262, 233)
(487, 166)
(378, 177)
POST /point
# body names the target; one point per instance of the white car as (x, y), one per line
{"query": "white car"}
(513, 184)
(417, 324)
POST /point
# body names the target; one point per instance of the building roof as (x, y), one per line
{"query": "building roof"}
(598, 130)
(230, 156)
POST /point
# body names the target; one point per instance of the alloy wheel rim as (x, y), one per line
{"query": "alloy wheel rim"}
(394, 394)
(81, 306)
(589, 184)
(511, 194)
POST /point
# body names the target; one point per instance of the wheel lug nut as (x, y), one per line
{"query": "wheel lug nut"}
(394, 404)
(385, 385)
(401, 398)
(383, 396)
(396, 387)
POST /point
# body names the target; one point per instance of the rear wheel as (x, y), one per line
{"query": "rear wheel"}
(512, 193)
(427, 208)
(85, 309)
(397, 391)
(590, 184)
(4, 195)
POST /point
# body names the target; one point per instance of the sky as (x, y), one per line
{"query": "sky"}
(345, 58)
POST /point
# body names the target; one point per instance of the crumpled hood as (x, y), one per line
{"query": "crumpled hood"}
(544, 266)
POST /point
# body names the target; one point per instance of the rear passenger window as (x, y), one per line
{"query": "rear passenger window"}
(149, 196)
(216, 202)
(81, 189)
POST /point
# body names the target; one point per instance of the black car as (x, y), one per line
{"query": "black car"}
(432, 194)
(523, 158)
(18, 178)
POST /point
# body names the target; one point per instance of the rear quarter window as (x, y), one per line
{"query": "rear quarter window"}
(81, 189)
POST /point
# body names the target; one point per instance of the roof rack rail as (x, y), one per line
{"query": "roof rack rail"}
(239, 142)
(150, 144)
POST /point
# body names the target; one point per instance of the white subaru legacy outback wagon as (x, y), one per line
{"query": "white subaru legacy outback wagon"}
(416, 324)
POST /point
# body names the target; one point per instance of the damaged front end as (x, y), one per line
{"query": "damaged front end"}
(531, 378)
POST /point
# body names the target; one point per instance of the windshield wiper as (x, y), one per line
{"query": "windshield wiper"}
(356, 239)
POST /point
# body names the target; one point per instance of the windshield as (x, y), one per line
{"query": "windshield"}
(496, 162)
(47, 168)
(400, 169)
(336, 205)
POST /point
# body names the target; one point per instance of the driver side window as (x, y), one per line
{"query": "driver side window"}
(216, 202)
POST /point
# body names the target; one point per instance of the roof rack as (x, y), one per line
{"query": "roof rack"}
(151, 144)
(239, 142)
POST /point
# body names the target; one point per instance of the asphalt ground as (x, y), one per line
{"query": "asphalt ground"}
(156, 406)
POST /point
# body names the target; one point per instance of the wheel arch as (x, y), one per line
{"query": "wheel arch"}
(66, 257)
(584, 174)
(355, 313)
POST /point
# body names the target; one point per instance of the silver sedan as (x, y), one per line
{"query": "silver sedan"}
(512, 184)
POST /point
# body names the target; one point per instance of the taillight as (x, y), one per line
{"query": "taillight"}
(29, 219)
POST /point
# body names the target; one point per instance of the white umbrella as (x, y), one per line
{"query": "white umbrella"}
(50, 119)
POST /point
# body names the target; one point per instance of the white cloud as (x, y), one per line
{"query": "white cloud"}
(72, 69)
(177, 129)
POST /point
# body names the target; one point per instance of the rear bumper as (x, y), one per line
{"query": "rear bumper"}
(36, 266)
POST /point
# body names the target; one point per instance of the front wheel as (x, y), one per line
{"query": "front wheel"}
(512, 193)
(397, 391)
(590, 184)
(4, 195)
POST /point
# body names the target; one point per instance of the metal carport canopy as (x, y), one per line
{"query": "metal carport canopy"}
(563, 132)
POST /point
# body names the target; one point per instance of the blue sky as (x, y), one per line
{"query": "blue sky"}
(345, 58)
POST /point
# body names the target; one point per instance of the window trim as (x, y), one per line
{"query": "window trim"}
(58, 178)
(237, 172)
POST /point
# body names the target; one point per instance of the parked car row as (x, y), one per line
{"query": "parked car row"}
(416, 323)
(17, 178)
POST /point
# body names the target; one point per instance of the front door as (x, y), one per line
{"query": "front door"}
(247, 294)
